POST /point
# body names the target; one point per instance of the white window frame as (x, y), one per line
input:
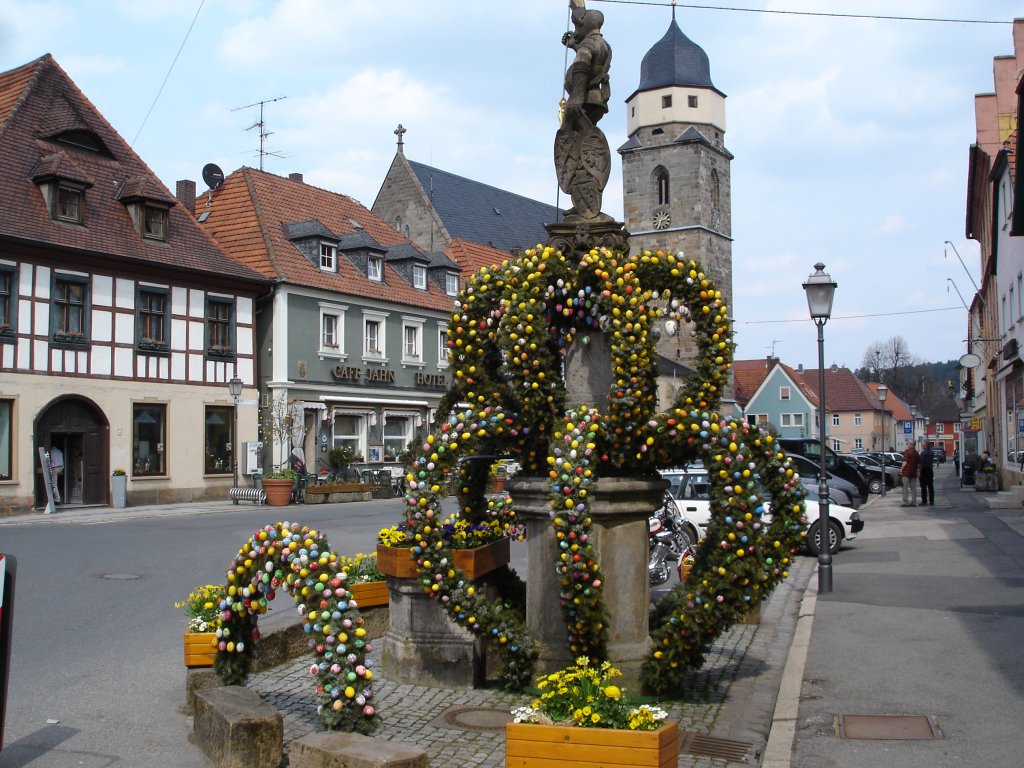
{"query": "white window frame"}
(858, 443)
(792, 420)
(337, 311)
(785, 393)
(835, 419)
(380, 318)
(442, 345)
(375, 268)
(328, 257)
(359, 438)
(837, 446)
(451, 283)
(407, 436)
(857, 420)
(419, 277)
(412, 356)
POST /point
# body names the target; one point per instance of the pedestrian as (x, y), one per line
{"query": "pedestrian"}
(908, 474)
(927, 475)
(956, 461)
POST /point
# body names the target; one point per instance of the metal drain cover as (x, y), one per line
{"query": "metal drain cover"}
(905, 727)
(477, 718)
(120, 576)
(711, 746)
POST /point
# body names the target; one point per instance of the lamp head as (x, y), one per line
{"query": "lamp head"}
(883, 392)
(820, 290)
(235, 386)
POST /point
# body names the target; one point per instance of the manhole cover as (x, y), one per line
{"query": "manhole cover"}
(120, 576)
(887, 727)
(477, 718)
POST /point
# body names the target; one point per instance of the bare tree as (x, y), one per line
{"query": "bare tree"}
(892, 363)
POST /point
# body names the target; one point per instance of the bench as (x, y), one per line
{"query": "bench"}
(255, 495)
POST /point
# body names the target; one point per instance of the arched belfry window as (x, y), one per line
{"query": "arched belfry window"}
(716, 193)
(661, 185)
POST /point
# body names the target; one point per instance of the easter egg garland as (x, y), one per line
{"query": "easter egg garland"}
(509, 333)
(297, 559)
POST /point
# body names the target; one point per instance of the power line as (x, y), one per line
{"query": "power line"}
(804, 13)
(850, 317)
(169, 70)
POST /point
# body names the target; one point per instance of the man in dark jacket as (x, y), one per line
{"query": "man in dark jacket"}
(927, 472)
(908, 473)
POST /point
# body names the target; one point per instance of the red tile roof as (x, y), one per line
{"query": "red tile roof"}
(893, 404)
(38, 103)
(843, 390)
(249, 214)
(472, 257)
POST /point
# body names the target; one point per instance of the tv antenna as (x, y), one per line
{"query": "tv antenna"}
(774, 341)
(264, 152)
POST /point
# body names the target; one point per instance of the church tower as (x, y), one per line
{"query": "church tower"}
(676, 169)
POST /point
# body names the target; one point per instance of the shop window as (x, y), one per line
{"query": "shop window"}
(149, 427)
(348, 433)
(219, 443)
(6, 438)
(397, 436)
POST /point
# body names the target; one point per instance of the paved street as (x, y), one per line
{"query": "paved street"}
(924, 619)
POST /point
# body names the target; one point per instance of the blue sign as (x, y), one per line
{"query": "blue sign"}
(908, 427)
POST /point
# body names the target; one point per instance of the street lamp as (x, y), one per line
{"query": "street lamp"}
(235, 388)
(883, 392)
(820, 291)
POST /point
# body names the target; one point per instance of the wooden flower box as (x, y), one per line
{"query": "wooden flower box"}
(371, 593)
(475, 563)
(530, 745)
(200, 649)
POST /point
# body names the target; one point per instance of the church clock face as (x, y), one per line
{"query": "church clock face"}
(662, 219)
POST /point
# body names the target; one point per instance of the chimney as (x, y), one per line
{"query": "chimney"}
(800, 368)
(295, 177)
(185, 191)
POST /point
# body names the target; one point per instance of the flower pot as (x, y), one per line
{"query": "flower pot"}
(370, 593)
(200, 649)
(119, 491)
(530, 745)
(474, 563)
(278, 490)
(497, 484)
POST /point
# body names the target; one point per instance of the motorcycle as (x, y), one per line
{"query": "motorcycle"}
(669, 541)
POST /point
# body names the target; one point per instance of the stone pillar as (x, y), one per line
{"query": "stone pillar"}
(619, 508)
(423, 646)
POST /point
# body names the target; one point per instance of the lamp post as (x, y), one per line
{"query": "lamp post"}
(820, 291)
(235, 388)
(883, 392)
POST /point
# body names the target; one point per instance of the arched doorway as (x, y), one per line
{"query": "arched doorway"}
(81, 431)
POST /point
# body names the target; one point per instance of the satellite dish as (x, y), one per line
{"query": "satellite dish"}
(213, 175)
(970, 360)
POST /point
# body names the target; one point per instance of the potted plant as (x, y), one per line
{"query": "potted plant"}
(203, 621)
(498, 477)
(581, 717)
(339, 458)
(119, 488)
(278, 487)
(366, 583)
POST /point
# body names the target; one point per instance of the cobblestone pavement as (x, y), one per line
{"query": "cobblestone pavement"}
(731, 698)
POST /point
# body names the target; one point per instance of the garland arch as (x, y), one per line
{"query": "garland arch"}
(299, 560)
(510, 332)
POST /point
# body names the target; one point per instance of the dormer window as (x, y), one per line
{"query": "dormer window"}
(154, 222)
(419, 277)
(328, 257)
(451, 283)
(68, 205)
(375, 268)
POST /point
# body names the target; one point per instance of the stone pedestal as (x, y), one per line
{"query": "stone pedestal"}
(577, 234)
(423, 646)
(619, 508)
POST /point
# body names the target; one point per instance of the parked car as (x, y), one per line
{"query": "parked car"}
(872, 468)
(939, 453)
(840, 490)
(811, 449)
(690, 491)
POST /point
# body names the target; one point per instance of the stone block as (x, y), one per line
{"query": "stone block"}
(196, 680)
(235, 728)
(353, 750)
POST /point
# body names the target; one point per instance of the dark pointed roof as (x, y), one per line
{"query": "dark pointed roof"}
(675, 60)
(484, 214)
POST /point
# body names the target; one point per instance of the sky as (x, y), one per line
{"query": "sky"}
(850, 135)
